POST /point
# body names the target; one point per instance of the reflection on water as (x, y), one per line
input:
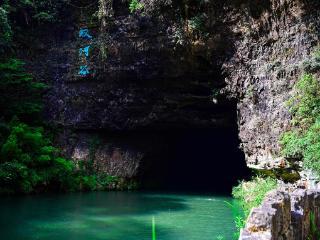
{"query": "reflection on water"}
(115, 216)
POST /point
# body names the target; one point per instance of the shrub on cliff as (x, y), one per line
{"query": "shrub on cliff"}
(39, 10)
(135, 5)
(21, 95)
(30, 162)
(302, 141)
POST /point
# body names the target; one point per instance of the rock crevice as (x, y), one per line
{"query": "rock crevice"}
(284, 215)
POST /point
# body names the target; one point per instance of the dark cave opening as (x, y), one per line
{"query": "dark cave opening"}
(196, 160)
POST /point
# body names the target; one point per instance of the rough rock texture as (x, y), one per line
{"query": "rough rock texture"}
(284, 216)
(157, 75)
(147, 78)
(108, 157)
(261, 73)
(162, 68)
(120, 154)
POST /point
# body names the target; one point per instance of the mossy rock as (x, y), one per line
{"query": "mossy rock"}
(285, 174)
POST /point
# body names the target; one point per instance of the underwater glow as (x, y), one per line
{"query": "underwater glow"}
(116, 216)
(153, 228)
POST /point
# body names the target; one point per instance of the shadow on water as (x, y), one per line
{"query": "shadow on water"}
(111, 216)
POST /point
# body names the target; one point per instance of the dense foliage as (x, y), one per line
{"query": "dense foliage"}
(16, 16)
(20, 94)
(302, 141)
(29, 161)
(135, 5)
(251, 193)
(39, 10)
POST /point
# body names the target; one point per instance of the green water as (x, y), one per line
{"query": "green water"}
(115, 216)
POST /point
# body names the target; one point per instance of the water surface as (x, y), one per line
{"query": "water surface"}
(115, 216)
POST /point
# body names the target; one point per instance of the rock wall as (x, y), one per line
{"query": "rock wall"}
(165, 68)
(157, 75)
(147, 79)
(269, 50)
(109, 157)
(284, 215)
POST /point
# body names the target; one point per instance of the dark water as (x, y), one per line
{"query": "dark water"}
(115, 216)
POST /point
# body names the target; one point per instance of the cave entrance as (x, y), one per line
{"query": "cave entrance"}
(196, 159)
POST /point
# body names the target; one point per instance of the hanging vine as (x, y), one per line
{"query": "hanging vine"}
(105, 14)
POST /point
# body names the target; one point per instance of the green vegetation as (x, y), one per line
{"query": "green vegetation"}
(39, 10)
(135, 5)
(20, 93)
(314, 230)
(251, 193)
(197, 25)
(288, 175)
(238, 215)
(302, 141)
(29, 162)
(153, 228)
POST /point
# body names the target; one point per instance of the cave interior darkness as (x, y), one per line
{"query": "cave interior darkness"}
(193, 158)
(196, 160)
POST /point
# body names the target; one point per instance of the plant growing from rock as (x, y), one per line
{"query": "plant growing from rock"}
(312, 65)
(29, 162)
(135, 5)
(302, 141)
(197, 25)
(251, 193)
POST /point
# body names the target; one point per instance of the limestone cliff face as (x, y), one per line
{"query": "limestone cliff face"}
(261, 73)
(150, 76)
(158, 74)
(165, 66)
